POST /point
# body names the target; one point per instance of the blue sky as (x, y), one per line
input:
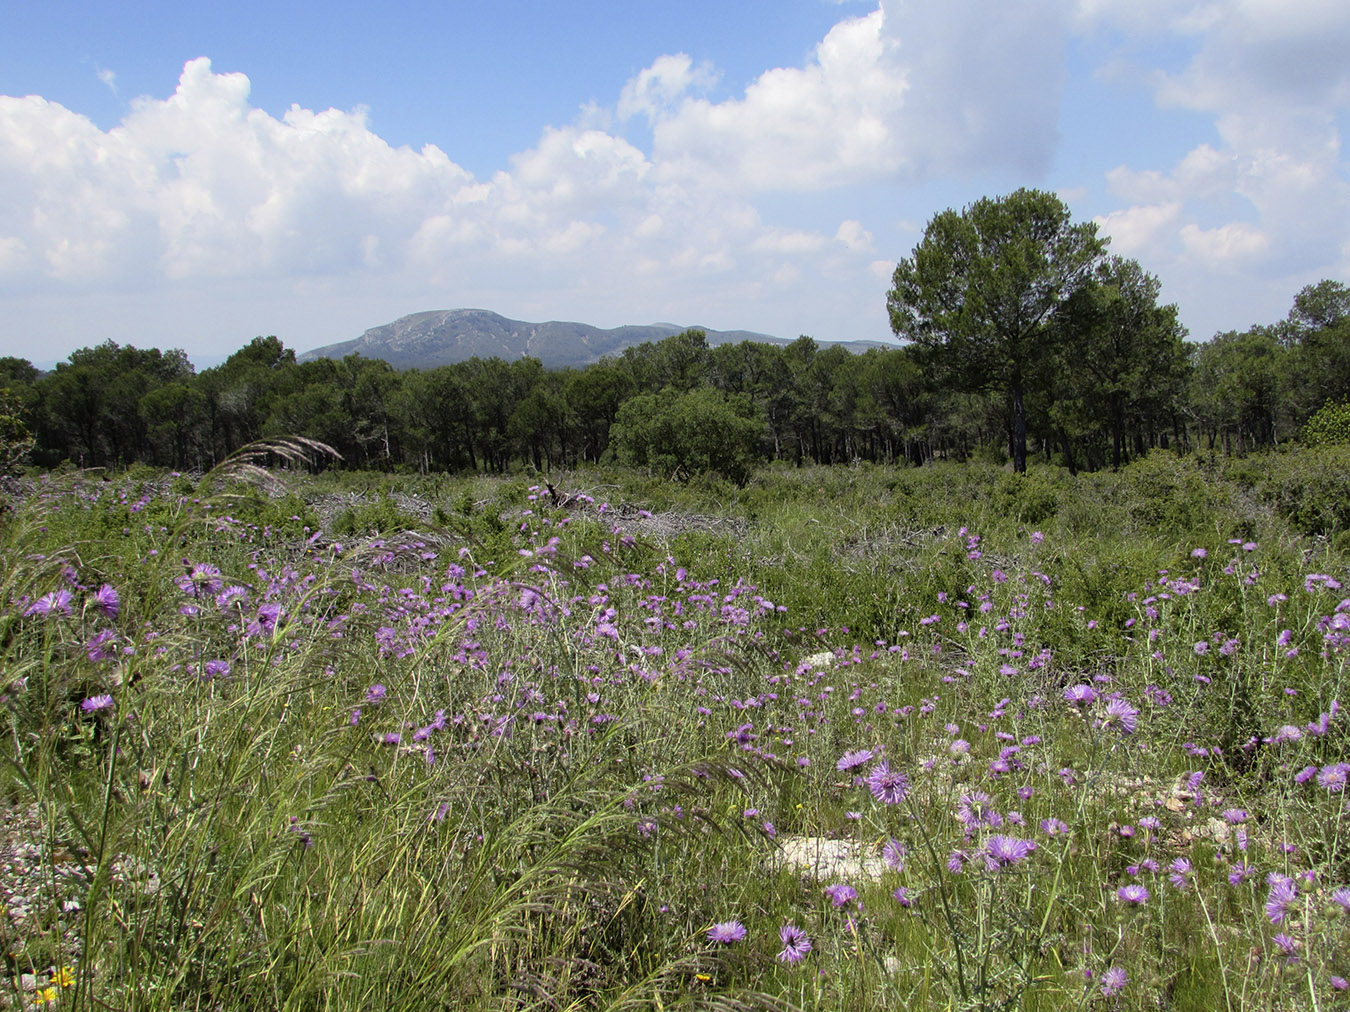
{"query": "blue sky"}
(192, 176)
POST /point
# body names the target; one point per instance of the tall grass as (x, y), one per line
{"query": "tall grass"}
(1079, 742)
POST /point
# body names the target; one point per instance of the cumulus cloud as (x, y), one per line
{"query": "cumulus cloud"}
(911, 91)
(1269, 199)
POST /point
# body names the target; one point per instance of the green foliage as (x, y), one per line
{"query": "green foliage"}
(981, 292)
(1330, 426)
(1310, 487)
(685, 434)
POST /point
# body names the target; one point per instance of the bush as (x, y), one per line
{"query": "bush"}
(1330, 426)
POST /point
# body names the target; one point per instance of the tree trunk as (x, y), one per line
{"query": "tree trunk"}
(1019, 429)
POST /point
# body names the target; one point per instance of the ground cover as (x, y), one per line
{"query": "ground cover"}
(855, 739)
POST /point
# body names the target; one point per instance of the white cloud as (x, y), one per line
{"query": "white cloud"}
(911, 91)
(1267, 202)
(1219, 246)
(1135, 229)
(852, 234)
(108, 78)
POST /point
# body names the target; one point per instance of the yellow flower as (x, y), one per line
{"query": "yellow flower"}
(44, 995)
(64, 977)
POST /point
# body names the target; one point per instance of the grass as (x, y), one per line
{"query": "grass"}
(526, 756)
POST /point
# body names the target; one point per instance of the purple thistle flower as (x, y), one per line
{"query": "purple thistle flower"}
(726, 932)
(893, 853)
(901, 896)
(1286, 945)
(56, 601)
(795, 944)
(1341, 897)
(1181, 869)
(1005, 851)
(1305, 774)
(1054, 827)
(107, 600)
(851, 759)
(1234, 815)
(1080, 695)
(375, 693)
(1283, 896)
(1333, 777)
(1339, 983)
(1113, 979)
(95, 703)
(102, 647)
(1121, 715)
(840, 893)
(1133, 894)
(887, 786)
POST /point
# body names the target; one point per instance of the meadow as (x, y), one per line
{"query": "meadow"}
(844, 738)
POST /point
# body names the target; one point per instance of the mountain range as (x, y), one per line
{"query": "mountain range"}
(440, 337)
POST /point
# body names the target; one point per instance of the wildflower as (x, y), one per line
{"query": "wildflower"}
(1339, 983)
(1333, 777)
(1198, 553)
(977, 810)
(1286, 945)
(1113, 979)
(1234, 815)
(795, 944)
(1080, 695)
(887, 786)
(375, 693)
(894, 855)
(57, 600)
(96, 703)
(1283, 896)
(1121, 715)
(1054, 827)
(64, 977)
(726, 932)
(107, 600)
(851, 759)
(901, 896)
(45, 995)
(1133, 894)
(1005, 851)
(103, 647)
(1341, 897)
(840, 893)
(1305, 774)
(1181, 869)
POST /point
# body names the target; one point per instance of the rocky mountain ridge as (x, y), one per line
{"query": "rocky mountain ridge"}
(440, 337)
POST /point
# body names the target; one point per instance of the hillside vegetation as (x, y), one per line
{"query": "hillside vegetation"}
(847, 738)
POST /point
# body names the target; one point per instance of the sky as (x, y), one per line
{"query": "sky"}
(192, 176)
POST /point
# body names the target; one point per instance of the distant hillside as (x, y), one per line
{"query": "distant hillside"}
(426, 340)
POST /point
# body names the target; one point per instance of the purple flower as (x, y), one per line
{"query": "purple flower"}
(1054, 827)
(795, 944)
(1121, 715)
(102, 647)
(1333, 777)
(1113, 979)
(1181, 870)
(1005, 851)
(851, 759)
(1341, 897)
(893, 853)
(840, 893)
(887, 786)
(96, 703)
(1283, 896)
(375, 693)
(1234, 815)
(57, 600)
(902, 897)
(1286, 945)
(726, 932)
(1080, 695)
(107, 600)
(977, 810)
(1133, 894)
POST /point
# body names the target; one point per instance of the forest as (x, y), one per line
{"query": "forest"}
(1018, 331)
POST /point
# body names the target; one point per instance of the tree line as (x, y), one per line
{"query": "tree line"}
(1023, 338)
